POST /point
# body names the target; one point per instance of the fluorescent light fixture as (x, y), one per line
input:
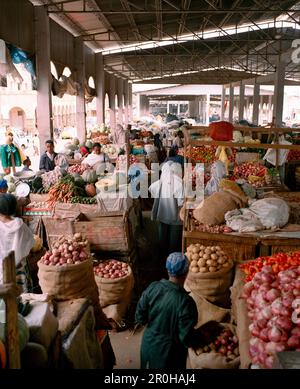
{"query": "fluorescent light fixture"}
(209, 34)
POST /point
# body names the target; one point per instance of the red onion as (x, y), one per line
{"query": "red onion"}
(293, 342)
(267, 313)
(276, 306)
(263, 335)
(273, 348)
(254, 330)
(284, 323)
(272, 295)
(269, 361)
(274, 334)
(267, 278)
(247, 289)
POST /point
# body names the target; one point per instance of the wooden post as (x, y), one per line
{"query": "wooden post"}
(12, 332)
(231, 103)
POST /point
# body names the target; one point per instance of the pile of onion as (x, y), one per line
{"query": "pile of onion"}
(207, 259)
(67, 251)
(111, 269)
(226, 344)
(273, 302)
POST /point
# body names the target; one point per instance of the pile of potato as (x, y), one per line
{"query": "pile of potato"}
(207, 259)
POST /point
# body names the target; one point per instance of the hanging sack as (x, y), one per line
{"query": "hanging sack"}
(221, 131)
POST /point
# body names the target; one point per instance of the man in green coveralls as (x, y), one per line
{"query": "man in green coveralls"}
(171, 315)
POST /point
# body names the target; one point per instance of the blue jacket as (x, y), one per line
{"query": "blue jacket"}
(46, 163)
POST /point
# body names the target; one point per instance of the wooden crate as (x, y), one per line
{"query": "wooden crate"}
(108, 233)
(238, 248)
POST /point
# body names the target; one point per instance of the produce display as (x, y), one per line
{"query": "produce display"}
(225, 344)
(67, 251)
(205, 154)
(83, 200)
(293, 155)
(249, 169)
(111, 269)
(220, 229)
(122, 161)
(278, 263)
(51, 178)
(273, 308)
(77, 168)
(64, 190)
(207, 259)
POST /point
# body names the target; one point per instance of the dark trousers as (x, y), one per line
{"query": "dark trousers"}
(170, 239)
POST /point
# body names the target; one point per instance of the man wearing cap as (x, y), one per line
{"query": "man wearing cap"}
(171, 315)
(3, 186)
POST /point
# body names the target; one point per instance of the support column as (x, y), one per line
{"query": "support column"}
(120, 92)
(112, 103)
(207, 108)
(100, 88)
(231, 103)
(130, 101)
(44, 119)
(255, 115)
(80, 98)
(241, 101)
(279, 93)
(144, 105)
(126, 100)
(223, 102)
(192, 108)
(270, 99)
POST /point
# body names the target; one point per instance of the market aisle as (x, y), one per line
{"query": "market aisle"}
(126, 348)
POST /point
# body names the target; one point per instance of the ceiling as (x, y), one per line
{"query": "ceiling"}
(184, 41)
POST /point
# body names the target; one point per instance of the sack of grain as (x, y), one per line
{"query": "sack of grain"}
(211, 210)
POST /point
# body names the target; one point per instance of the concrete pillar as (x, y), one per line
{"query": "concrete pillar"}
(80, 98)
(44, 120)
(126, 101)
(279, 93)
(112, 103)
(120, 92)
(241, 101)
(223, 102)
(130, 101)
(231, 103)
(196, 107)
(270, 100)
(144, 105)
(100, 88)
(255, 114)
(207, 108)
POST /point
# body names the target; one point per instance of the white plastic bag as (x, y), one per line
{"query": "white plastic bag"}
(282, 154)
(272, 212)
(218, 172)
(243, 220)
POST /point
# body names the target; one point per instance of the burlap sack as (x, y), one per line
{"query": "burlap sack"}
(213, 360)
(239, 315)
(71, 282)
(211, 210)
(208, 311)
(214, 286)
(115, 295)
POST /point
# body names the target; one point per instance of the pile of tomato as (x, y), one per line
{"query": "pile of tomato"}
(279, 262)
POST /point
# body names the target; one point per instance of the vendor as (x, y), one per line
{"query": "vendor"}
(95, 157)
(47, 162)
(17, 237)
(171, 315)
(26, 165)
(3, 186)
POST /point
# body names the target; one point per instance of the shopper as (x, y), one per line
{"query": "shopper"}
(178, 141)
(174, 157)
(3, 186)
(16, 237)
(47, 162)
(120, 136)
(170, 315)
(26, 165)
(95, 157)
(168, 198)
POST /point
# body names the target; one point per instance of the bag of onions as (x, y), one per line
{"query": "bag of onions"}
(66, 273)
(115, 283)
(210, 274)
(222, 353)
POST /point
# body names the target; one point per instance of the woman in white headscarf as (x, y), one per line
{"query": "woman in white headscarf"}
(168, 194)
(120, 135)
